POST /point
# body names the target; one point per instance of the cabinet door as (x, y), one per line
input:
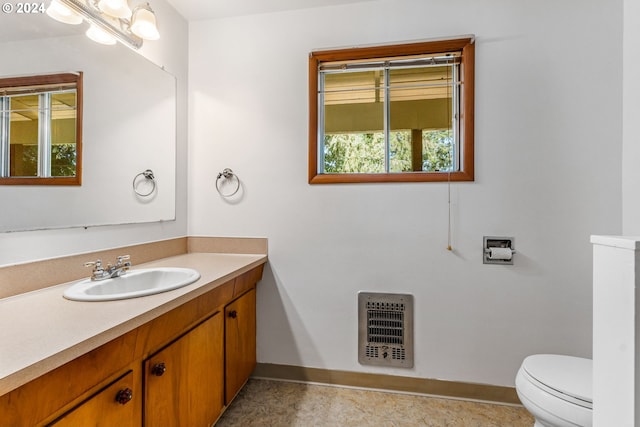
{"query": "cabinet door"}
(116, 405)
(184, 381)
(240, 343)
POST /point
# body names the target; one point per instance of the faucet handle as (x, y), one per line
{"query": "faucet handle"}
(120, 260)
(97, 264)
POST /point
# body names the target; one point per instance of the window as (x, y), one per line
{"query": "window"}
(41, 130)
(392, 113)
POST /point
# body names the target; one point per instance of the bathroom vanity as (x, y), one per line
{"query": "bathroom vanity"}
(175, 358)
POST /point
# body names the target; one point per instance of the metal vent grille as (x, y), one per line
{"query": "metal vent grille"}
(385, 329)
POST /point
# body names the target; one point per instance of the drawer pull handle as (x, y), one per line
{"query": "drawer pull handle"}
(158, 369)
(233, 314)
(124, 396)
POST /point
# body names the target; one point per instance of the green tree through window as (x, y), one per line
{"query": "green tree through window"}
(364, 153)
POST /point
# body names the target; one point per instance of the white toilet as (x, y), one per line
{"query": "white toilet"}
(556, 390)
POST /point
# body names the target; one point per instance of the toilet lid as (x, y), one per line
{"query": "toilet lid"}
(571, 376)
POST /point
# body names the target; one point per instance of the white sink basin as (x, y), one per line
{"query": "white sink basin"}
(135, 283)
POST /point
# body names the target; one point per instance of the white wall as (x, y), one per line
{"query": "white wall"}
(171, 52)
(548, 159)
(631, 124)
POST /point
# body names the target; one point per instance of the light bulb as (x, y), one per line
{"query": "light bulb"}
(62, 13)
(115, 8)
(98, 35)
(143, 23)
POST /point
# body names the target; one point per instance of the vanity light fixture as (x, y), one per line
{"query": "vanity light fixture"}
(113, 17)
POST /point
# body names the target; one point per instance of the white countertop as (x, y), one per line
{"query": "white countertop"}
(41, 330)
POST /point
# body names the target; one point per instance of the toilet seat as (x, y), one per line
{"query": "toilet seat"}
(556, 390)
(565, 377)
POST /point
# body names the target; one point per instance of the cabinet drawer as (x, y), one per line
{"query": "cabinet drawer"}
(247, 281)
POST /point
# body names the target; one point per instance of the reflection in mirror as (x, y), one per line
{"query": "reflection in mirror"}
(128, 126)
(41, 130)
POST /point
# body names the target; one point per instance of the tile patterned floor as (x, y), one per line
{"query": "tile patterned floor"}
(266, 403)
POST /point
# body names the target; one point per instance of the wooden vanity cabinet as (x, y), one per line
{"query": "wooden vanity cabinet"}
(187, 371)
(198, 378)
(240, 343)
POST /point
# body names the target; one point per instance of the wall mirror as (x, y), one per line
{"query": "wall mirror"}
(129, 127)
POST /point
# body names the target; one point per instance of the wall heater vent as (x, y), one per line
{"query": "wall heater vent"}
(385, 329)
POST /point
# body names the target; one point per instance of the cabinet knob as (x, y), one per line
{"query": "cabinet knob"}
(158, 369)
(123, 396)
(233, 314)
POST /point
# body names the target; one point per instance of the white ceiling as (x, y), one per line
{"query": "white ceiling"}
(34, 26)
(194, 10)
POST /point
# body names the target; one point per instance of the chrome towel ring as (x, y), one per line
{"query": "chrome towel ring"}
(228, 175)
(148, 176)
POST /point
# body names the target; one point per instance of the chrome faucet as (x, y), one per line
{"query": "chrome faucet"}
(116, 270)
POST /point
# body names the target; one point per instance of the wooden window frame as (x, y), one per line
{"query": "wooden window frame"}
(466, 173)
(51, 79)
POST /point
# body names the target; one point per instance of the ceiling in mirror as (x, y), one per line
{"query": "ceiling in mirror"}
(32, 27)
